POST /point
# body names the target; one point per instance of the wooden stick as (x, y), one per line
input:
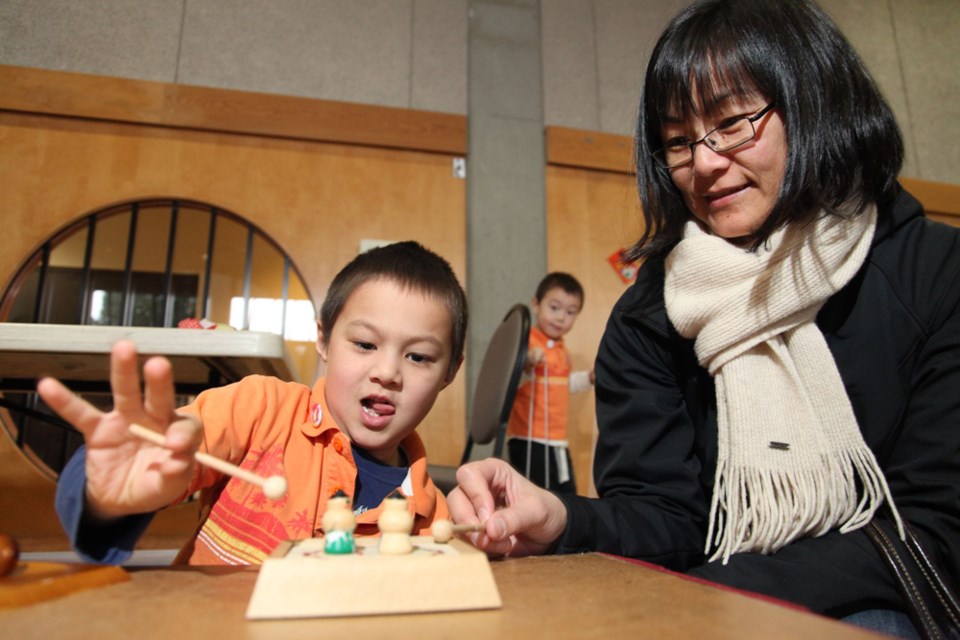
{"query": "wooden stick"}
(273, 487)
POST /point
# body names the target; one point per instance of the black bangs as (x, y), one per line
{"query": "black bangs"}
(705, 66)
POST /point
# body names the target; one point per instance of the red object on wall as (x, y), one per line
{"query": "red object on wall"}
(626, 270)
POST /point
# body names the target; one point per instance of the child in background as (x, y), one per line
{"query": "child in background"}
(392, 331)
(538, 444)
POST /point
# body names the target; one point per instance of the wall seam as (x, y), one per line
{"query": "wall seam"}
(598, 110)
(412, 76)
(906, 91)
(183, 23)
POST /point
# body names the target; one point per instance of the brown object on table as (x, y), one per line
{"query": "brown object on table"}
(33, 582)
(9, 554)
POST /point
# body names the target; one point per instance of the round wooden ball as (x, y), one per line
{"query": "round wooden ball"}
(9, 554)
(275, 487)
(442, 531)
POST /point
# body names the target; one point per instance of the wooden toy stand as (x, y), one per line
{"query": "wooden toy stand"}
(299, 581)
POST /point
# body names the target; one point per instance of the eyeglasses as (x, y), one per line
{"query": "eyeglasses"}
(728, 136)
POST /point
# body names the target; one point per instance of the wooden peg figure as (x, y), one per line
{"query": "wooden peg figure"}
(338, 523)
(395, 524)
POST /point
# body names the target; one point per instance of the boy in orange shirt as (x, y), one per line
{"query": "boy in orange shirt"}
(538, 422)
(392, 331)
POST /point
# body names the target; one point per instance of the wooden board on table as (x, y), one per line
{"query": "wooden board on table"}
(32, 582)
(305, 582)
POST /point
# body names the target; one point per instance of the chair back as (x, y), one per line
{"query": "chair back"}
(498, 380)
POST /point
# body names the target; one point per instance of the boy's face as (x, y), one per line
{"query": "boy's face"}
(387, 358)
(556, 312)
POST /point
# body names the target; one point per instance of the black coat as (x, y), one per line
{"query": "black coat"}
(894, 332)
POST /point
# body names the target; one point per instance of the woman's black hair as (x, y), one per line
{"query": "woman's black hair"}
(844, 145)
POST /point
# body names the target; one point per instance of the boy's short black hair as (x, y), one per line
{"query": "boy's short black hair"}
(413, 267)
(560, 280)
(843, 141)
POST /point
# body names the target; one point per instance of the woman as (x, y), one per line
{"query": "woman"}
(786, 366)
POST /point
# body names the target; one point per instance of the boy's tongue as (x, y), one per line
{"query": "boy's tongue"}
(379, 405)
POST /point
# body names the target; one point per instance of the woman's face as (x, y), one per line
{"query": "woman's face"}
(733, 192)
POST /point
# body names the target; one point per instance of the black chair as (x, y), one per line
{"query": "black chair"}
(496, 388)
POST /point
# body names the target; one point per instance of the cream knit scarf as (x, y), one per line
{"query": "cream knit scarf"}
(790, 453)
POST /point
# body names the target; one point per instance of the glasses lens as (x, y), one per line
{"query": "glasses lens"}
(731, 135)
(673, 156)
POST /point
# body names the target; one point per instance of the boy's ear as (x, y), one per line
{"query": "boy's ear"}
(453, 375)
(321, 343)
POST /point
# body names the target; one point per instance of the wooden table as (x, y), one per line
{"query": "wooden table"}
(79, 355)
(579, 596)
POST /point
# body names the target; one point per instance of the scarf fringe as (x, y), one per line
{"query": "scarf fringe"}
(762, 510)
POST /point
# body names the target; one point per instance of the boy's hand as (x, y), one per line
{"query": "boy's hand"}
(125, 475)
(521, 518)
(534, 358)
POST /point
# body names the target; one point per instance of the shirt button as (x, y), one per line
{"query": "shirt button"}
(338, 445)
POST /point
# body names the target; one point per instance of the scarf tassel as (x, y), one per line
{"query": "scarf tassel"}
(763, 510)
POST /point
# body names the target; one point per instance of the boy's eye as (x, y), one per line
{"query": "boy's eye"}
(363, 346)
(419, 358)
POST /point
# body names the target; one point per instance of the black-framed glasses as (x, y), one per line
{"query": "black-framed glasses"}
(728, 136)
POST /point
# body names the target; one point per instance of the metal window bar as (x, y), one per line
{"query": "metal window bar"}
(208, 268)
(286, 296)
(87, 272)
(168, 267)
(41, 280)
(247, 278)
(127, 314)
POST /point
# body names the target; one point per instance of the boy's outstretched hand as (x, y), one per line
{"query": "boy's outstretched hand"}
(126, 475)
(521, 518)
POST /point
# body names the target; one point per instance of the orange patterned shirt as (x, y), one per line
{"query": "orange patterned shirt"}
(271, 427)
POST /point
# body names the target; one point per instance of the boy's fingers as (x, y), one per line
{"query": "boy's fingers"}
(158, 399)
(184, 434)
(75, 410)
(124, 380)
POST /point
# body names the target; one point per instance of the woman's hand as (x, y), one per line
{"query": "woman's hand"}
(125, 475)
(521, 518)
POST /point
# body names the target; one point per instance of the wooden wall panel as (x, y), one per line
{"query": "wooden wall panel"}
(590, 215)
(316, 200)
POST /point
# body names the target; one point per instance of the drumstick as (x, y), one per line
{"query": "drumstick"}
(443, 530)
(273, 487)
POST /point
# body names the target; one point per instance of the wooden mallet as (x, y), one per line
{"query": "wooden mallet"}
(273, 487)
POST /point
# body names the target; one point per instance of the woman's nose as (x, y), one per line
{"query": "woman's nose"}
(707, 161)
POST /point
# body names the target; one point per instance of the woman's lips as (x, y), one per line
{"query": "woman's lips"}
(722, 197)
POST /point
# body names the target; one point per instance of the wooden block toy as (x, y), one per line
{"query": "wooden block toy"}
(302, 580)
(339, 523)
(395, 524)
